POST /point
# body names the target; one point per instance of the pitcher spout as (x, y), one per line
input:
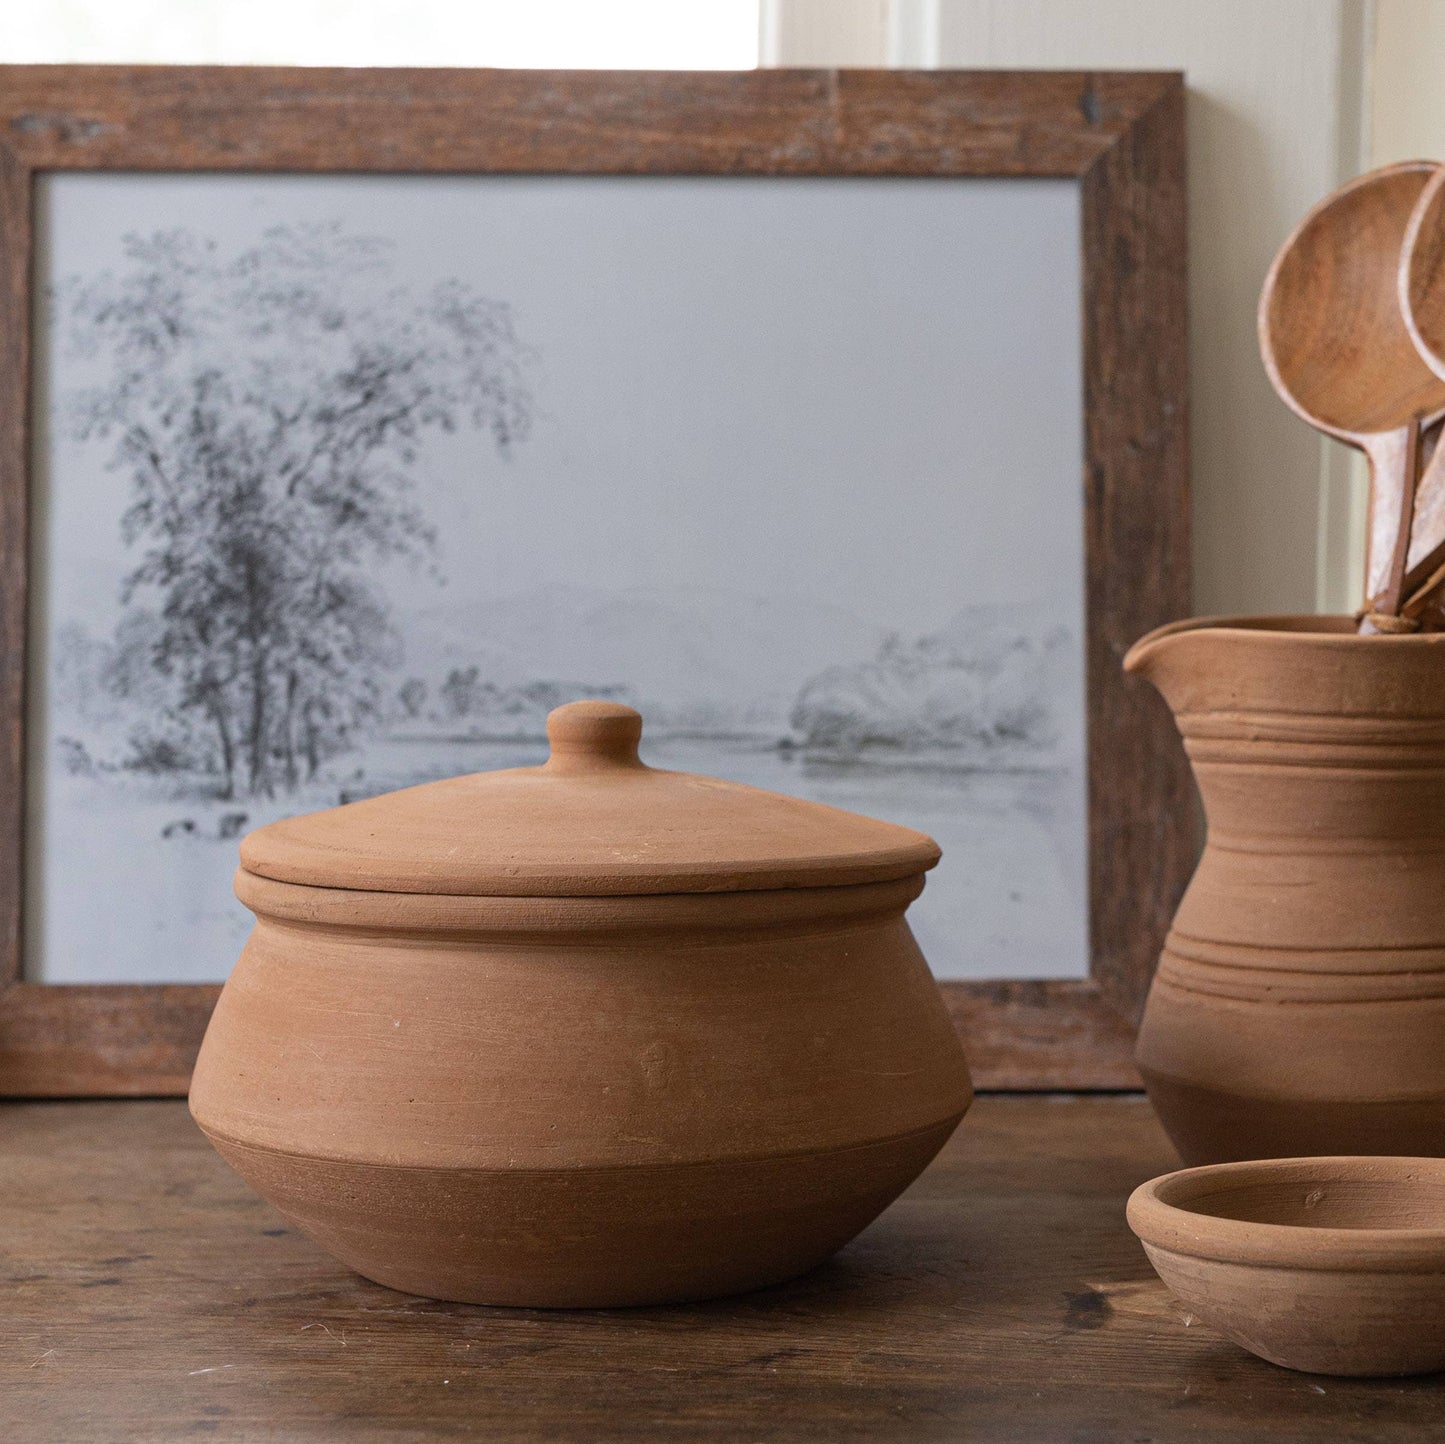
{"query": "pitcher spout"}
(1288, 663)
(1151, 651)
(1175, 656)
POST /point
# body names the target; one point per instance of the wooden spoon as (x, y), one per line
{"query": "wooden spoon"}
(1421, 283)
(1335, 342)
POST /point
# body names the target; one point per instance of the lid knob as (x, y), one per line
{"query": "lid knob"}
(593, 737)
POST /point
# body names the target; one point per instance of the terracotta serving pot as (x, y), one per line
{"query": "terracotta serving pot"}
(1299, 1006)
(582, 1034)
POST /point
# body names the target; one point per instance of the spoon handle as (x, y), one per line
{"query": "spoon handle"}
(1427, 592)
(1385, 451)
(1393, 594)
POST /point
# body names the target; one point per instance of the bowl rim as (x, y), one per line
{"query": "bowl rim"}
(1158, 1214)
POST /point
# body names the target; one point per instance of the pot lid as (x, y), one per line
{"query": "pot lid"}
(593, 820)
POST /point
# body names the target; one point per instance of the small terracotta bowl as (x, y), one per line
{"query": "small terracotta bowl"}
(1330, 1265)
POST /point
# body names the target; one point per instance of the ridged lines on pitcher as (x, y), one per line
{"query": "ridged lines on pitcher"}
(1366, 729)
(1354, 962)
(1260, 985)
(1268, 844)
(1244, 751)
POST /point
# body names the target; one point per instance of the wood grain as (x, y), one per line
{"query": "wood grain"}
(1044, 1034)
(15, 242)
(1142, 842)
(112, 1040)
(763, 122)
(1119, 134)
(150, 1296)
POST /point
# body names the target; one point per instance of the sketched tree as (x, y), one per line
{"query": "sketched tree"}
(267, 409)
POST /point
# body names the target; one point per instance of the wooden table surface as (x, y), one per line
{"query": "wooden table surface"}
(147, 1294)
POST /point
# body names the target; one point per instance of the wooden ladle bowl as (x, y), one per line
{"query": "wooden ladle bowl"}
(1421, 284)
(1335, 341)
(1421, 274)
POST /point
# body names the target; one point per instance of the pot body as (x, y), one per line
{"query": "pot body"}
(580, 1101)
(1299, 1005)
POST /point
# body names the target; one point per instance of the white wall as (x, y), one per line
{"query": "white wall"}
(621, 34)
(1407, 103)
(1275, 116)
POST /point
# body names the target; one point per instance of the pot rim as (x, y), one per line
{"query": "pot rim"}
(1333, 631)
(1159, 1213)
(478, 916)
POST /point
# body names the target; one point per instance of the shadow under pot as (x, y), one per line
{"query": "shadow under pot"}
(1299, 1005)
(582, 1034)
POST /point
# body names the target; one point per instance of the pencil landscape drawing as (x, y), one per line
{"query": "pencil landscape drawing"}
(300, 469)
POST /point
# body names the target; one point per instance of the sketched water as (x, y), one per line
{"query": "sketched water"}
(158, 862)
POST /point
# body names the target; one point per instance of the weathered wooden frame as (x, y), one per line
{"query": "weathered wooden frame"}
(1120, 135)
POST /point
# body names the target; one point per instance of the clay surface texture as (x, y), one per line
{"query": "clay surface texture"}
(583, 1034)
(1331, 1265)
(1299, 1004)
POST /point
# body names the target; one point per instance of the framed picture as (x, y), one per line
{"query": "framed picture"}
(351, 420)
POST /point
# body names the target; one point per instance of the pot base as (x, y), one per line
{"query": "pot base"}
(1210, 1125)
(588, 1238)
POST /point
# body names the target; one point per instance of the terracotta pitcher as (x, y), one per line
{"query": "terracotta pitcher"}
(1299, 1007)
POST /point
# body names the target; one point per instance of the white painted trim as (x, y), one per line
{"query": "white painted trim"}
(914, 27)
(1340, 541)
(826, 32)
